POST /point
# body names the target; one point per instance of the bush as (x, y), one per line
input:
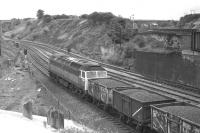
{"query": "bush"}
(28, 23)
(84, 16)
(129, 52)
(188, 18)
(63, 16)
(47, 18)
(141, 44)
(12, 35)
(15, 21)
(140, 41)
(34, 36)
(99, 17)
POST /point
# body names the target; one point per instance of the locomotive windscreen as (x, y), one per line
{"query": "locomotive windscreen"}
(96, 74)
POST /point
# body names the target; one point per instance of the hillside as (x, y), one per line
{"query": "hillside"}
(190, 21)
(115, 40)
(101, 36)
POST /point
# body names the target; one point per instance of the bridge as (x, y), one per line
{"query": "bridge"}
(186, 38)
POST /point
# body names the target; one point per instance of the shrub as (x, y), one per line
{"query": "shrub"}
(141, 44)
(188, 18)
(129, 52)
(63, 16)
(140, 41)
(34, 36)
(85, 16)
(12, 35)
(15, 21)
(99, 17)
(47, 18)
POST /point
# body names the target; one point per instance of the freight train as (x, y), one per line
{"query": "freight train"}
(151, 112)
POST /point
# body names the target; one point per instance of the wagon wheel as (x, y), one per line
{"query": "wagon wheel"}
(145, 129)
(71, 87)
(82, 95)
(75, 89)
(66, 84)
(121, 117)
(139, 127)
(98, 103)
(105, 107)
(128, 120)
(93, 100)
(57, 80)
(88, 99)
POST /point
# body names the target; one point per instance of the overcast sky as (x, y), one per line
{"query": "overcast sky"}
(142, 9)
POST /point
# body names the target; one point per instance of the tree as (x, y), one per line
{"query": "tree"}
(100, 17)
(40, 14)
(119, 31)
(63, 16)
(116, 32)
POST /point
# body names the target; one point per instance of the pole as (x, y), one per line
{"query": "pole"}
(132, 18)
(120, 37)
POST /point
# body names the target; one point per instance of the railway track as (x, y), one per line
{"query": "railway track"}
(173, 93)
(182, 91)
(168, 83)
(40, 62)
(183, 94)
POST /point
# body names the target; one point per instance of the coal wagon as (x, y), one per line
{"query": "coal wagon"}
(177, 117)
(101, 90)
(134, 104)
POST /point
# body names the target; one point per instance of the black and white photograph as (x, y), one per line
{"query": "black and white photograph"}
(100, 66)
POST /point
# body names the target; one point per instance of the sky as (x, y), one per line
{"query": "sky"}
(141, 9)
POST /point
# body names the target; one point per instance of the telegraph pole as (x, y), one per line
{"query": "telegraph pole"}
(132, 18)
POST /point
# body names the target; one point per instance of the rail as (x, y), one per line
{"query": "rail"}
(146, 81)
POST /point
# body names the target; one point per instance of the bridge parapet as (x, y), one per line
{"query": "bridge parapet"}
(187, 39)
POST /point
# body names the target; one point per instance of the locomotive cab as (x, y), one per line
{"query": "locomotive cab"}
(101, 73)
(91, 71)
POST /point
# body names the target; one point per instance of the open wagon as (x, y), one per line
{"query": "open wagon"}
(134, 104)
(101, 90)
(178, 117)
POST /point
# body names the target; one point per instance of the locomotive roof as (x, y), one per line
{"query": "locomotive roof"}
(110, 83)
(79, 63)
(144, 95)
(191, 113)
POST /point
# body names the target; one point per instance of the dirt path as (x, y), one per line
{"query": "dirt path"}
(18, 87)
